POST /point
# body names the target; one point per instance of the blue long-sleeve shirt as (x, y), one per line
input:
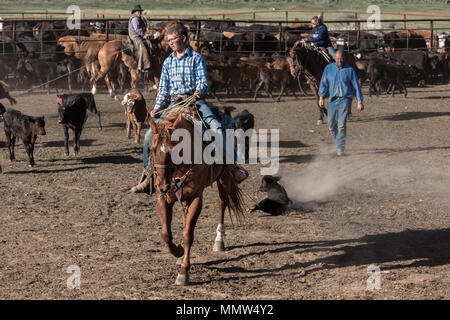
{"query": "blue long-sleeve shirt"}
(340, 82)
(320, 37)
(182, 75)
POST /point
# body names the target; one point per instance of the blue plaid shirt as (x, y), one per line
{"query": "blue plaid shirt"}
(182, 75)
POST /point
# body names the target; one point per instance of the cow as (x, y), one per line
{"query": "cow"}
(5, 94)
(41, 72)
(245, 120)
(404, 39)
(72, 113)
(392, 75)
(416, 59)
(25, 127)
(439, 65)
(136, 112)
(2, 111)
(268, 77)
(277, 201)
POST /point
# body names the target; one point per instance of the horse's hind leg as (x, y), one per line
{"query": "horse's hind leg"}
(188, 238)
(224, 190)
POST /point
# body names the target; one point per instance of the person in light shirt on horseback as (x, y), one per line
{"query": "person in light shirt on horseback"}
(320, 37)
(183, 74)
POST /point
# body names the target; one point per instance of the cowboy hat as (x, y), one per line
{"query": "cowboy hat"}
(137, 8)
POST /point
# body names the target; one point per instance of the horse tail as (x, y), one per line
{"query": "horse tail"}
(236, 203)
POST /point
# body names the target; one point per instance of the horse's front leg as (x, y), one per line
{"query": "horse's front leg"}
(188, 238)
(164, 210)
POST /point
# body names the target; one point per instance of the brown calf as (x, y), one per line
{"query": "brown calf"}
(136, 112)
(5, 94)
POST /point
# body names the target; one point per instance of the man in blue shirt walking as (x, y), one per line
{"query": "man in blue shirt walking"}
(340, 80)
(183, 73)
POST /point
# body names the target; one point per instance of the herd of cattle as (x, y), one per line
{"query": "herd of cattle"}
(45, 54)
(238, 58)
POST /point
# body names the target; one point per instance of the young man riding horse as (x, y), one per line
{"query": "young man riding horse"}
(136, 30)
(183, 74)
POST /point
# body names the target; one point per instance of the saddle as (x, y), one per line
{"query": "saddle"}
(130, 48)
(193, 115)
(323, 51)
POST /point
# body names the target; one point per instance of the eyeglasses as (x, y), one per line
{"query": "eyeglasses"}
(171, 40)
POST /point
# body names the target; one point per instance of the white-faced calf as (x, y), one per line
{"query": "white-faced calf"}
(136, 112)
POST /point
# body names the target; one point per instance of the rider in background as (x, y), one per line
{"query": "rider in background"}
(137, 25)
(320, 37)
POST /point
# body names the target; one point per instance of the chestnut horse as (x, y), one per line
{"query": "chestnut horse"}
(311, 63)
(185, 183)
(109, 58)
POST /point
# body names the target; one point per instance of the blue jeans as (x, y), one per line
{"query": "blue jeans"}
(208, 117)
(331, 51)
(338, 110)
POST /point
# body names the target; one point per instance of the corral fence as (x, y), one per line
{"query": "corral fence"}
(348, 29)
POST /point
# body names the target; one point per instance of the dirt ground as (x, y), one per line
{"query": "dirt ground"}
(385, 205)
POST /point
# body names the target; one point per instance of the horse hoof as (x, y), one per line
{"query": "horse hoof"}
(182, 280)
(319, 122)
(180, 252)
(218, 246)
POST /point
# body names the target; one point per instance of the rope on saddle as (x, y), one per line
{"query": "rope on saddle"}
(183, 107)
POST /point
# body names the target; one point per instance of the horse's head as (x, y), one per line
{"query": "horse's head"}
(304, 56)
(296, 56)
(161, 150)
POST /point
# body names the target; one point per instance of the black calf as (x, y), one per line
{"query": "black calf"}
(72, 111)
(25, 127)
(277, 200)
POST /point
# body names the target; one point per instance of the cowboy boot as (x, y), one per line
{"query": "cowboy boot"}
(145, 184)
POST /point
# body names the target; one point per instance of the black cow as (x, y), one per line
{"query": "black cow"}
(416, 59)
(41, 72)
(72, 112)
(392, 75)
(2, 111)
(277, 201)
(245, 121)
(23, 126)
(439, 65)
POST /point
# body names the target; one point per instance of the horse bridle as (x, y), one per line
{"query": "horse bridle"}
(301, 69)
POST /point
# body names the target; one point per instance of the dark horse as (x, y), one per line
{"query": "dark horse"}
(306, 60)
(185, 183)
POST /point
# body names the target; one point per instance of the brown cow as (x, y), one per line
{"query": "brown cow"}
(136, 112)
